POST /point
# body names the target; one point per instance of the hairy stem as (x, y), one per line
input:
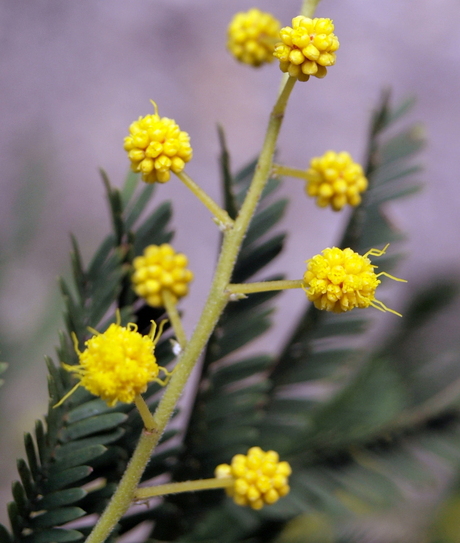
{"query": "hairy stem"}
(215, 304)
(174, 317)
(309, 7)
(123, 496)
(144, 411)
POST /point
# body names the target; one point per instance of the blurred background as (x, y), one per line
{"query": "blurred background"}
(74, 75)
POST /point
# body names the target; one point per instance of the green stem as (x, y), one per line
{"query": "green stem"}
(123, 496)
(309, 7)
(263, 286)
(144, 411)
(184, 486)
(221, 215)
(279, 170)
(215, 304)
(218, 298)
(174, 317)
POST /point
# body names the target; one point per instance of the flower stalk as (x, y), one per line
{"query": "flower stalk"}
(279, 171)
(174, 318)
(147, 492)
(220, 214)
(145, 413)
(264, 286)
(309, 7)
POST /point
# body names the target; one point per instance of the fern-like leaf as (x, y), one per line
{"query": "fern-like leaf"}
(83, 440)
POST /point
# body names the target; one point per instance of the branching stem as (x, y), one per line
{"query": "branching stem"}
(215, 304)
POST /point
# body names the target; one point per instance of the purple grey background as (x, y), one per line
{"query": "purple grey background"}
(74, 75)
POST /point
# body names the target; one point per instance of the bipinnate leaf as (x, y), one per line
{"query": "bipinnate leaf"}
(83, 439)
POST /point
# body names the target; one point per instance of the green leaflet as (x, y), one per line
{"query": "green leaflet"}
(3, 367)
(92, 425)
(60, 498)
(56, 517)
(78, 457)
(64, 478)
(88, 409)
(54, 536)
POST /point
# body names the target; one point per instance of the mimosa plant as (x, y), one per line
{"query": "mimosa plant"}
(302, 441)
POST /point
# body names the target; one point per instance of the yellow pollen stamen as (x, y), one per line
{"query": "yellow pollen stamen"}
(155, 107)
(118, 364)
(339, 280)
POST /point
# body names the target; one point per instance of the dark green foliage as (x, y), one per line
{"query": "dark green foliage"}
(3, 367)
(356, 424)
(84, 440)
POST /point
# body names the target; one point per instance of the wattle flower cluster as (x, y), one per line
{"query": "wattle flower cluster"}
(307, 48)
(252, 36)
(339, 280)
(160, 269)
(117, 365)
(260, 478)
(156, 146)
(335, 180)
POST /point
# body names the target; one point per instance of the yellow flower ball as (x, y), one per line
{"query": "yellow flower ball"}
(116, 365)
(335, 180)
(156, 146)
(307, 48)
(339, 280)
(160, 269)
(260, 478)
(252, 36)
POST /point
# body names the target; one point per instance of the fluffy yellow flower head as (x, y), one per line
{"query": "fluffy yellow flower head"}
(156, 146)
(160, 269)
(335, 180)
(116, 365)
(252, 36)
(307, 47)
(260, 478)
(339, 280)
